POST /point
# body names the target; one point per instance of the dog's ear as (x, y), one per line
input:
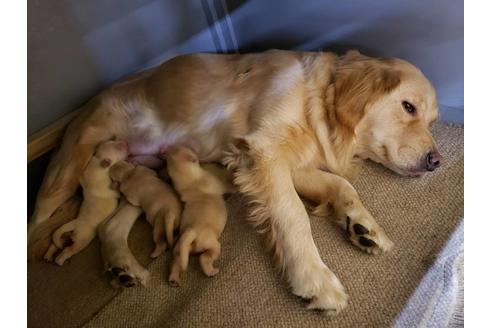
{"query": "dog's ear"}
(352, 54)
(106, 162)
(242, 144)
(360, 81)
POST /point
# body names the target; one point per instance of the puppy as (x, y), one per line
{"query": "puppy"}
(143, 188)
(204, 215)
(99, 202)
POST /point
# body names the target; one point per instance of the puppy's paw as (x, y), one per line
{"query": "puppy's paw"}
(119, 278)
(322, 288)
(124, 270)
(160, 247)
(212, 272)
(122, 277)
(51, 253)
(367, 235)
(175, 274)
(174, 281)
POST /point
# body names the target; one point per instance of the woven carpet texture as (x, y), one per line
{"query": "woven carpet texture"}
(418, 215)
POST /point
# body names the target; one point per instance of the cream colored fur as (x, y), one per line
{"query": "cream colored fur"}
(143, 188)
(204, 214)
(118, 259)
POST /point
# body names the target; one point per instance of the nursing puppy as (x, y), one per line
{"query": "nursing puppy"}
(204, 214)
(143, 188)
(100, 200)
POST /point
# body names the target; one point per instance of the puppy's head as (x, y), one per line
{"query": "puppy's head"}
(181, 159)
(390, 106)
(111, 152)
(119, 171)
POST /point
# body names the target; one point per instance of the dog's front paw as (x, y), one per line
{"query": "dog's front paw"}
(366, 234)
(322, 288)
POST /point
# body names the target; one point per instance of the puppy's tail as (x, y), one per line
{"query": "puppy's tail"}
(41, 237)
(184, 247)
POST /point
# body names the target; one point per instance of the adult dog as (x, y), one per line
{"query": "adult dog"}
(287, 123)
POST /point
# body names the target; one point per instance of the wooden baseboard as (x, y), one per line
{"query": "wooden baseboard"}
(46, 139)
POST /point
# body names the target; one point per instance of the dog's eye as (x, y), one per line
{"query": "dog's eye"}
(409, 108)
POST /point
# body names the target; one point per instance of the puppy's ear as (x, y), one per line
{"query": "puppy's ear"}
(106, 162)
(191, 157)
(115, 185)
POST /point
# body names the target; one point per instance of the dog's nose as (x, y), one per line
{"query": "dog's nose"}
(432, 160)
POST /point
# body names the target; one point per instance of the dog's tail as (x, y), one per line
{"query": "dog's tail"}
(184, 247)
(41, 237)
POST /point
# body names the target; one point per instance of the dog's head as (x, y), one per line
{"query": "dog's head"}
(120, 171)
(389, 105)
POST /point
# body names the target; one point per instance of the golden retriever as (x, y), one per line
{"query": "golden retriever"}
(277, 119)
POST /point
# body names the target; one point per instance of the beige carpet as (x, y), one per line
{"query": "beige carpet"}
(418, 214)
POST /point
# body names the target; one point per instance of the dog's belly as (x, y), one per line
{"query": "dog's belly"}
(207, 152)
(151, 137)
(204, 101)
(140, 145)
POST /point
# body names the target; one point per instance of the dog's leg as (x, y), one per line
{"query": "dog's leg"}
(118, 258)
(270, 186)
(49, 199)
(41, 239)
(327, 189)
(62, 175)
